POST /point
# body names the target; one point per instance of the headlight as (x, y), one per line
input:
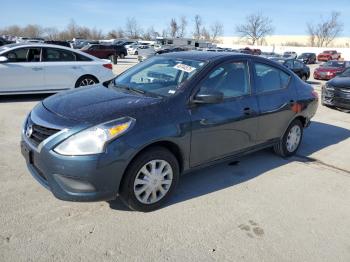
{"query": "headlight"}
(329, 88)
(93, 140)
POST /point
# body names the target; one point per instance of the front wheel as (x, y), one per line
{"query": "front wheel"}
(291, 140)
(150, 179)
(304, 78)
(121, 55)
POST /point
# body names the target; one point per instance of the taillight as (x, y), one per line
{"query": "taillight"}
(109, 66)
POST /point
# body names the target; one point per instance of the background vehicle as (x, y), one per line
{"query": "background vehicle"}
(296, 66)
(336, 92)
(308, 58)
(105, 51)
(290, 54)
(328, 55)
(330, 69)
(4, 41)
(209, 107)
(44, 68)
(170, 50)
(145, 52)
(250, 51)
(61, 43)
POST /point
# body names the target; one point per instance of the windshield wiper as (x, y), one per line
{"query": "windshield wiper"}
(139, 91)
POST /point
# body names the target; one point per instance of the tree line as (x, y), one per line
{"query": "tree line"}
(132, 30)
(254, 29)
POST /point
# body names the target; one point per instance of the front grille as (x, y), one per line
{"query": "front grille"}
(40, 133)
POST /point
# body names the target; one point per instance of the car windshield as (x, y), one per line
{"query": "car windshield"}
(346, 73)
(334, 64)
(304, 55)
(160, 76)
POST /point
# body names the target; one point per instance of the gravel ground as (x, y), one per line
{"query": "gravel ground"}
(260, 208)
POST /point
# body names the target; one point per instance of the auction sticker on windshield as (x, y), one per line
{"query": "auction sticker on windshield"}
(185, 68)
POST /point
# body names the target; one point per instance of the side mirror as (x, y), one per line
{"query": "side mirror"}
(209, 97)
(3, 59)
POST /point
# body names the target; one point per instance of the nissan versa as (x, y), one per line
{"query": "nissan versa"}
(170, 114)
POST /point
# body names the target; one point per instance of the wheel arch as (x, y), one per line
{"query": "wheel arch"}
(171, 146)
(86, 75)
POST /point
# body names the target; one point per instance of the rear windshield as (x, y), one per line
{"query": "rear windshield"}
(334, 64)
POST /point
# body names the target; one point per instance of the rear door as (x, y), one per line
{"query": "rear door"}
(276, 100)
(23, 72)
(219, 130)
(61, 68)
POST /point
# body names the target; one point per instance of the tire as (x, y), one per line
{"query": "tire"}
(86, 81)
(135, 179)
(282, 148)
(121, 55)
(304, 78)
(136, 52)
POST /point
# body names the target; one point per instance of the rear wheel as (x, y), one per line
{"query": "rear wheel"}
(121, 55)
(304, 78)
(150, 179)
(291, 139)
(86, 81)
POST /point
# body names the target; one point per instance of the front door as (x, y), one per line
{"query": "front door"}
(23, 72)
(218, 130)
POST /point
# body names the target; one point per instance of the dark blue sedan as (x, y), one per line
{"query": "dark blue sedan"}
(162, 118)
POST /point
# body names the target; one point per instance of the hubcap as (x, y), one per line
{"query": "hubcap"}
(153, 181)
(293, 138)
(87, 82)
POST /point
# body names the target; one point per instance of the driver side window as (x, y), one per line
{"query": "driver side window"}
(231, 79)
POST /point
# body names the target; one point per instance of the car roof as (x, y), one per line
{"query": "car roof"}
(40, 45)
(205, 55)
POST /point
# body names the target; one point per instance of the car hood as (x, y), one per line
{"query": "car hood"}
(342, 82)
(329, 69)
(98, 104)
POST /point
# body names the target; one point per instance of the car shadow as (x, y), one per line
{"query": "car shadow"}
(23, 98)
(212, 179)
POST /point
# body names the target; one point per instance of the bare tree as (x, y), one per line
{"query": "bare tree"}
(32, 31)
(324, 32)
(51, 33)
(132, 28)
(197, 27)
(115, 34)
(182, 26)
(205, 34)
(174, 28)
(217, 30)
(255, 28)
(150, 34)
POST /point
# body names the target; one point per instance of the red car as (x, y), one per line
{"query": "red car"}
(328, 55)
(330, 69)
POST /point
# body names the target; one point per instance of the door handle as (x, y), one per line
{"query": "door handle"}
(247, 111)
(75, 67)
(37, 68)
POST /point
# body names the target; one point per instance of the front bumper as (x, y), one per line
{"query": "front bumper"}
(77, 178)
(337, 98)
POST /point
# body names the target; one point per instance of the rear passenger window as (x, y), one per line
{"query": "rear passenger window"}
(57, 55)
(269, 78)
